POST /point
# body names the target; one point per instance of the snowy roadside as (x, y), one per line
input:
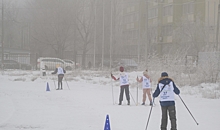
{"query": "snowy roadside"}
(27, 104)
(204, 90)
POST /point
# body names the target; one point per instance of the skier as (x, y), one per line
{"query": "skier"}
(43, 69)
(60, 71)
(124, 85)
(146, 85)
(166, 89)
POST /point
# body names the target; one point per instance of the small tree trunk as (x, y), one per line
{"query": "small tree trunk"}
(84, 56)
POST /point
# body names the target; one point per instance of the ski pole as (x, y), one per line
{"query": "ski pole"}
(137, 92)
(112, 92)
(149, 115)
(152, 107)
(132, 97)
(113, 100)
(54, 83)
(67, 84)
(188, 110)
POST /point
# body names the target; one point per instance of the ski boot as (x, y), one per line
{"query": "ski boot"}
(128, 102)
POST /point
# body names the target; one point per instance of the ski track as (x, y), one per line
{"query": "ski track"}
(27, 105)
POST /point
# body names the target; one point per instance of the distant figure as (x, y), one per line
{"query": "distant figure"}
(166, 88)
(89, 65)
(44, 70)
(124, 85)
(60, 71)
(146, 85)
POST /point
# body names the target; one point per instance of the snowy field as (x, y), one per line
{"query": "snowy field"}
(26, 105)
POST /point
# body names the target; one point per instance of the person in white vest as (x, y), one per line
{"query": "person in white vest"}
(60, 71)
(43, 69)
(166, 88)
(146, 85)
(124, 85)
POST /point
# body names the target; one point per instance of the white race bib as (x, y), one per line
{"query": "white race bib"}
(145, 82)
(124, 79)
(167, 93)
(60, 70)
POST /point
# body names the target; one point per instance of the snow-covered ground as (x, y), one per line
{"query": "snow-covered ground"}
(25, 104)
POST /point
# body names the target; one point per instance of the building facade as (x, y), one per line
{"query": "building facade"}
(178, 23)
(133, 26)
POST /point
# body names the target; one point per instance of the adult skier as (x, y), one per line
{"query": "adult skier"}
(146, 85)
(124, 85)
(166, 89)
(60, 71)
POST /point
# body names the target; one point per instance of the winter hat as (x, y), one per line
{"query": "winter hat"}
(121, 69)
(164, 74)
(145, 72)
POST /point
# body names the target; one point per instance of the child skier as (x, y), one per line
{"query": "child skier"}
(124, 85)
(166, 89)
(60, 71)
(146, 85)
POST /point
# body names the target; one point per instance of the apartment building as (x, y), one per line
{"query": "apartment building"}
(166, 16)
(133, 25)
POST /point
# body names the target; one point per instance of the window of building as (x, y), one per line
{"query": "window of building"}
(135, 34)
(130, 9)
(167, 30)
(168, 10)
(152, 13)
(136, 17)
(131, 18)
(153, 32)
(188, 8)
(131, 34)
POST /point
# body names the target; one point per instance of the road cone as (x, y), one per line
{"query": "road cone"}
(107, 123)
(48, 88)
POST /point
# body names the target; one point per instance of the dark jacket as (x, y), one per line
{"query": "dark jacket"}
(56, 70)
(165, 81)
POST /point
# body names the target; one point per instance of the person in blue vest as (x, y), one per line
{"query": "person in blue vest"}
(146, 85)
(124, 85)
(166, 88)
(60, 71)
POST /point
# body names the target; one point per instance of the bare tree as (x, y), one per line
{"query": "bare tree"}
(12, 28)
(53, 24)
(193, 35)
(85, 26)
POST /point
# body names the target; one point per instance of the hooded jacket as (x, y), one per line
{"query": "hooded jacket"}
(165, 81)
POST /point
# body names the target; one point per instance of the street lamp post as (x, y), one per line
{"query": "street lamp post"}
(103, 31)
(217, 31)
(2, 33)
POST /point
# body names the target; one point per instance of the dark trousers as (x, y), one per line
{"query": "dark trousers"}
(126, 89)
(172, 114)
(60, 79)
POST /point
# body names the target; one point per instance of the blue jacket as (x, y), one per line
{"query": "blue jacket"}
(166, 80)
